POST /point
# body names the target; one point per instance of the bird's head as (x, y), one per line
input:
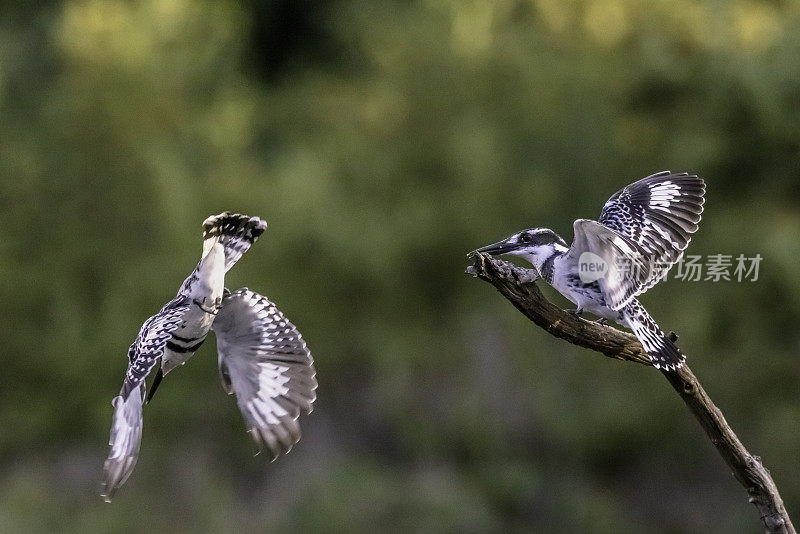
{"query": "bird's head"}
(535, 245)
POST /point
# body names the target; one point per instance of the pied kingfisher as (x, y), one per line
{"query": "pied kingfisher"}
(642, 231)
(262, 357)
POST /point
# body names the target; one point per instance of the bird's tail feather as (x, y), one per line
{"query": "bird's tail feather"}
(125, 440)
(662, 350)
(234, 231)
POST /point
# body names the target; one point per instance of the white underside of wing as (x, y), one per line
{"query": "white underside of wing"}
(627, 268)
(265, 362)
(125, 441)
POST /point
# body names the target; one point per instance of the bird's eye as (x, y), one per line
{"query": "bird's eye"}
(525, 238)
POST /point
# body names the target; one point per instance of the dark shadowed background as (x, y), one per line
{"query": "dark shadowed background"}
(383, 140)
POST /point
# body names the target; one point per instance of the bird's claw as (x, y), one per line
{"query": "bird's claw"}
(212, 309)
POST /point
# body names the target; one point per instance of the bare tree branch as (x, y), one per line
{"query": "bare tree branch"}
(518, 286)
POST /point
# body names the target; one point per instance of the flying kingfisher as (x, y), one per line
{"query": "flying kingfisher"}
(642, 231)
(262, 357)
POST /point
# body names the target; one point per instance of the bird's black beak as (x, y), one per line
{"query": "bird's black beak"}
(501, 247)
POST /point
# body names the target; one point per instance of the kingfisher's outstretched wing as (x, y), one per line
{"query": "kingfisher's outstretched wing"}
(658, 214)
(265, 362)
(126, 425)
(642, 231)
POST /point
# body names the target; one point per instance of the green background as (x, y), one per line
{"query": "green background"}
(383, 140)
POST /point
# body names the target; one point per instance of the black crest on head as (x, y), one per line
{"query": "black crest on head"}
(540, 236)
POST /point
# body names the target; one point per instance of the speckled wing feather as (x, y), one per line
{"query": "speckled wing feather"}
(153, 337)
(265, 362)
(658, 213)
(126, 425)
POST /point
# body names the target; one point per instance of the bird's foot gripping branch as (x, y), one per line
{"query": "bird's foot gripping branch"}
(518, 286)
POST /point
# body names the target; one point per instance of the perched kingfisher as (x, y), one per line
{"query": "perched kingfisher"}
(262, 357)
(642, 231)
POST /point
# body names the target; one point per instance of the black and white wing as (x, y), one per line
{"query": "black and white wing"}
(658, 214)
(153, 338)
(265, 362)
(126, 425)
(642, 231)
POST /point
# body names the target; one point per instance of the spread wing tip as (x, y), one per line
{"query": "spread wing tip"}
(124, 441)
(266, 363)
(277, 439)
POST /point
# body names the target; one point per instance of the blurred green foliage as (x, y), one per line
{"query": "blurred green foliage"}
(383, 140)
